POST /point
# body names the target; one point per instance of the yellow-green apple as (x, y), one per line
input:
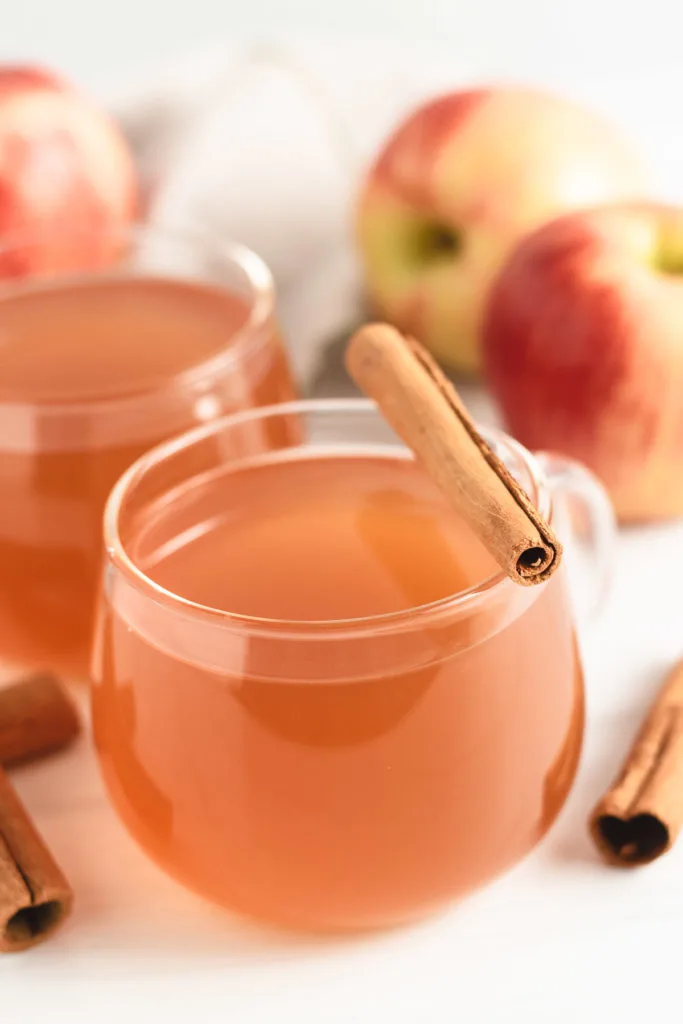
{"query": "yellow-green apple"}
(456, 187)
(582, 349)
(67, 181)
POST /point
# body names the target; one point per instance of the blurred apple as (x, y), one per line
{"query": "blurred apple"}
(583, 349)
(66, 177)
(457, 186)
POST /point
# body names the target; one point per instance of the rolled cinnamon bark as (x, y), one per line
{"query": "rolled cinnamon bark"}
(35, 897)
(641, 815)
(426, 412)
(37, 717)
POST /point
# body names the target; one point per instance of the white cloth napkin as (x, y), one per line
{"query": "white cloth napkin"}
(265, 143)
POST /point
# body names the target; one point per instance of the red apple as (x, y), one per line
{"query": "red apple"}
(66, 177)
(458, 185)
(582, 348)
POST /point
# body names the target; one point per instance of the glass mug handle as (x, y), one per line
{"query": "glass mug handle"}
(585, 523)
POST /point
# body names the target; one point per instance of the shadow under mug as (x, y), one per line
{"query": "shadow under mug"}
(63, 445)
(335, 775)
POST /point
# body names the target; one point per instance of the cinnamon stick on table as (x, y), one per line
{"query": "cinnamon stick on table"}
(641, 815)
(424, 409)
(34, 894)
(36, 717)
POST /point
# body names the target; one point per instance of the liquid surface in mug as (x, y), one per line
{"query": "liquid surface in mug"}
(83, 343)
(404, 769)
(96, 340)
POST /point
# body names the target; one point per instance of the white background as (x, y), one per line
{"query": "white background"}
(99, 41)
(561, 939)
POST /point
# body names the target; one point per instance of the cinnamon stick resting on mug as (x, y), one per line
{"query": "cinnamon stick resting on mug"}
(641, 815)
(426, 412)
(36, 717)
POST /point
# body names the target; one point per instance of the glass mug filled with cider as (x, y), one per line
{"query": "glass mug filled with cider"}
(316, 698)
(96, 368)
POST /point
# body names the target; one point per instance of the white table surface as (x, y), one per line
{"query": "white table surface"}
(560, 939)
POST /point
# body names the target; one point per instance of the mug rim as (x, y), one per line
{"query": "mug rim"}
(239, 344)
(356, 627)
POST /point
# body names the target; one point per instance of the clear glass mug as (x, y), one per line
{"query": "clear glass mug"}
(340, 774)
(181, 330)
